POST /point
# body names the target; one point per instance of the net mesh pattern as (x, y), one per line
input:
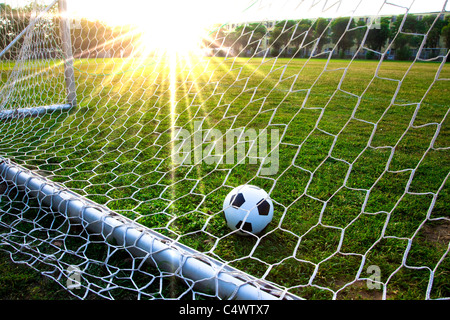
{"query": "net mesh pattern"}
(351, 147)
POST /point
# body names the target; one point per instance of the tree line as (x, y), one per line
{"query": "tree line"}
(299, 38)
(88, 37)
(288, 38)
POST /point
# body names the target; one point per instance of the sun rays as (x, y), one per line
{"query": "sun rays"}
(172, 71)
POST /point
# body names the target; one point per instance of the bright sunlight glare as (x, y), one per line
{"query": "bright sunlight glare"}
(178, 34)
(179, 25)
(172, 25)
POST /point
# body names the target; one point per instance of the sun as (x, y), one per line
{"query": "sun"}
(173, 25)
(175, 35)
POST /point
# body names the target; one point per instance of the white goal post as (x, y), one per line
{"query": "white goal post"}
(162, 252)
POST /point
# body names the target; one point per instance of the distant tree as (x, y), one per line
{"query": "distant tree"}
(248, 36)
(97, 37)
(410, 25)
(320, 26)
(377, 38)
(359, 33)
(402, 42)
(281, 34)
(302, 32)
(12, 22)
(302, 35)
(434, 28)
(445, 32)
(340, 35)
(216, 38)
(4, 8)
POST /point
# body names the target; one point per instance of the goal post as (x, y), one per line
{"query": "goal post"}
(66, 47)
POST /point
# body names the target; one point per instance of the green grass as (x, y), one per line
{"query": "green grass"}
(115, 149)
(20, 282)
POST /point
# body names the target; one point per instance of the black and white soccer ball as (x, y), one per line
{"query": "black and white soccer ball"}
(248, 209)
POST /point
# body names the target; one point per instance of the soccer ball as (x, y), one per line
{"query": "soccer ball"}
(248, 209)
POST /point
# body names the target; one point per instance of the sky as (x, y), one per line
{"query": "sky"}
(207, 11)
(223, 11)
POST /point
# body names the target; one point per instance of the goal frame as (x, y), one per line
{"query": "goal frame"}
(69, 74)
(166, 254)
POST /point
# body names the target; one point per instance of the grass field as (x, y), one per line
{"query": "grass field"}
(363, 163)
(20, 282)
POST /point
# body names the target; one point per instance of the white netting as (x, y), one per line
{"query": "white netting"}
(340, 113)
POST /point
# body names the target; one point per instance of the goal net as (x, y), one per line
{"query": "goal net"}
(123, 130)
